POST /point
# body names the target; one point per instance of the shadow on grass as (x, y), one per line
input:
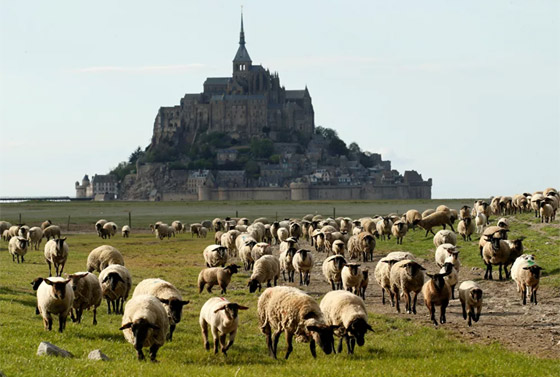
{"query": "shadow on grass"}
(21, 294)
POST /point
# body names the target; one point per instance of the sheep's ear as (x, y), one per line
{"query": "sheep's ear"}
(63, 239)
(164, 301)
(430, 275)
(67, 281)
(313, 328)
(526, 268)
(422, 268)
(222, 308)
(47, 281)
(240, 307)
(368, 327)
(185, 302)
(155, 327)
(105, 279)
(126, 326)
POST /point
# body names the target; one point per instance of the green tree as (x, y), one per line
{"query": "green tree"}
(262, 148)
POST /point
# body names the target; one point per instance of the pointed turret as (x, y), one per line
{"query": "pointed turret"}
(242, 60)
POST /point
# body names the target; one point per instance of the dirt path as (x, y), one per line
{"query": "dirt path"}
(530, 329)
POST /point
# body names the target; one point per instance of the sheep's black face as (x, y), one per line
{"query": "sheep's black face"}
(448, 268)
(253, 285)
(59, 290)
(413, 268)
(176, 307)
(476, 294)
(358, 330)
(439, 282)
(36, 283)
(113, 278)
(233, 268)
(324, 337)
(60, 246)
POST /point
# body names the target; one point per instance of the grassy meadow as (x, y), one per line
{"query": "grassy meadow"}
(399, 346)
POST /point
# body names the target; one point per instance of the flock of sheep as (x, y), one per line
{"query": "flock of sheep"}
(149, 318)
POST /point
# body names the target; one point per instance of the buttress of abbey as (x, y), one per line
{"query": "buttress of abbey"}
(250, 103)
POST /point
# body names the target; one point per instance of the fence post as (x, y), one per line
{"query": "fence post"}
(334, 213)
(276, 216)
(68, 224)
(19, 218)
(236, 213)
(129, 219)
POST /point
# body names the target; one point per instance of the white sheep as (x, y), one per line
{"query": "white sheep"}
(470, 295)
(399, 230)
(526, 274)
(303, 264)
(35, 236)
(500, 252)
(338, 247)
(266, 269)
(295, 312)
(4, 225)
(447, 250)
(286, 264)
(55, 296)
(18, 248)
(259, 250)
(406, 277)
(228, 241)
(125, 231)
(103, 256)
(445, 236)
(466, 228)
(23, 231)
(220, 276)
(244, 244)
(283, 234)
(348, 313)
(222, 316)
(332, 268)
(382, 272)
(99, 226)
(215, 255)
(164, 230)
(116, 283)
(56, 253)
(383, 227)
(168, 295)
(351, 276)
(87, 294)
(145, 324)
(177, 226)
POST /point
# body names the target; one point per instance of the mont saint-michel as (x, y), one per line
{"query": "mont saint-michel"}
(247, 137)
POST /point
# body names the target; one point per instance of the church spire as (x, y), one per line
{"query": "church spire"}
(242, 60)
(242, 33)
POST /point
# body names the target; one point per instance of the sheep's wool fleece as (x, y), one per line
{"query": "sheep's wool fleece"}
(283, 308)
(342, 307)
(47, 303)
(150, 308)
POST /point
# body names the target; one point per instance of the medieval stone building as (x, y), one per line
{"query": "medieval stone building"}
(249, 103)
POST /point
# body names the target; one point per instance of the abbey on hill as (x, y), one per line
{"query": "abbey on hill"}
(246, 137)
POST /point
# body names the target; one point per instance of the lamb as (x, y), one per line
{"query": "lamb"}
(177, 226)
(447, 250)
(351, 276)
(466, 228)
(470, 295)
(222, 316)
(286, 264)
(500, 252)
(383, 227)
(546, 212)
(35, 236)
(295, 312)
(526, 274)
(480, 222)
(109, 230)
(267, 268)
(382, 272)
(348, 313)
(116, 283)
(215, 255)
(436, 292)
(6, 235)
(103, 256)
(364, 284)
(303, 263)
(332, 268)
(445, 236)
(18, 248)
(452, 276)
(145, 324)
(338, 247)
(125, 231)
(56, 252)
(87, 294)
(168, 295)
(51, 232)
(399, 230)
(435, 219)
(220, 276)
(55, 296)
(406, 277)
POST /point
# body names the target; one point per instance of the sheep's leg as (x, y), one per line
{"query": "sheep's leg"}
(284, 275)
(275, 339)
(500, 269)
(332, 285)
(534, 294)
(171, 330)
(153, 352)
(451, 225)
(108, 306)
(414, 303)
(353, 343)
(223, 344)
(215, 336)
(139, 352)
(307, 278)
(465, 311)
(453, 292)
(444, 304)
(289, 338)
(79, 313)
(49, 263)
(231, 340)
(396, 294)
(267, 332)
(61, 322)
(392, 296)
(408, 305)
(383, 296)
(311, 348)
(204, 331)
(432, 310)
(47, 321)
(340, 344)
(95, 315)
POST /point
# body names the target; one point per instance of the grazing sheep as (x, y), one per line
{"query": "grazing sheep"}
(470, 295)
(286, 264)
(348, 313)
(215, 255)
(177, 226)
(168, 295)
(399, 230)
(99, 225)
(364, 283)
(406, 277)
(56, 252)
(6, 235)
(295, 312)
(303, 263)
(382, 272)
(125, 231)
(164, 230)
(351, 276)
(220, 276)
(195, 230)
(145, 324)
(222, 316)
(383, 227)
(435, 219)
(436, 292)
(35, 236)
(410, 216)
(466, 228)
(266, 269)
(109, 230)
(502, 253)
(116, 283)
(218, 237)
(55, 296)
(52, 231)
(526, 274)
(203, 232)
(332, 268)
(18, 248)
(428, 212)
(5, 226)
(103, 256)
(503, 223)
(87, 294)
(218, 225)
(260, 249)
(445, 236)
(447, 250)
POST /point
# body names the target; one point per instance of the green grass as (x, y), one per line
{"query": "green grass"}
(397, 347)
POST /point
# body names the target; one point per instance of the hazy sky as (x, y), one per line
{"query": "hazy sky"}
(466, 93)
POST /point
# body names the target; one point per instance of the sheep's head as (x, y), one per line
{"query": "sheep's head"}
(113, 278)
(23, 243)
(253, 284)
(322, 335)
(358, 329)
(175, 307)
(476, 294)
(59, 288)
(339, 262)
(438, 280)
(412, 268)
(534, 270)
(232, 268)
(303, 253)
(35, 283)
(76, 278)
(140, 329)
(60, 246)
(231, 310)
(353, 268)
